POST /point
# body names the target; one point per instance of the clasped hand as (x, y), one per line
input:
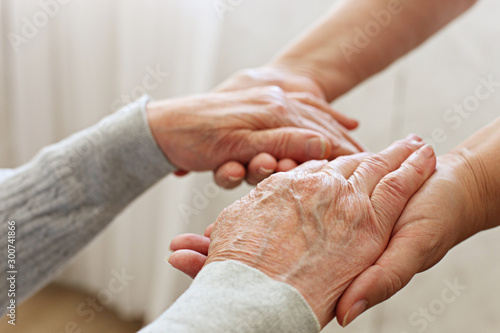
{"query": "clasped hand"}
(202, 133)
(317, 227)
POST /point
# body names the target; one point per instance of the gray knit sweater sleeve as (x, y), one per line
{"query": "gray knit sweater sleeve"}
(69, 192)
(232, 297)
(5, 173)
(53, 206)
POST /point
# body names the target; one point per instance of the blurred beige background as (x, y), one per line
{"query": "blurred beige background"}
(90, 56)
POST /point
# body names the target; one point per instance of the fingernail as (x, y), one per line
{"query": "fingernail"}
(316, 148)
(427, 151)
(418, 144)
(234, 179)
(167, 258)
(264, 171)
(413, 137)
(357, 309)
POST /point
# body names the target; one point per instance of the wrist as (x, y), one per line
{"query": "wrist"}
(160, 121)
(333, 80)
(320, 298)
(319, 303)
(288, 78)
(465, 171)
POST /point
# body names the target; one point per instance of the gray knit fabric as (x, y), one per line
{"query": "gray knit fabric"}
(231, 297)
(71, 190)
(4, 173)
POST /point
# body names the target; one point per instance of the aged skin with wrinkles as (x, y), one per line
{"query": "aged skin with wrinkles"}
(201, 133)
(459, 200)
(319, 226)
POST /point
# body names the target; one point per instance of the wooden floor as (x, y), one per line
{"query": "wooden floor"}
(53, 310)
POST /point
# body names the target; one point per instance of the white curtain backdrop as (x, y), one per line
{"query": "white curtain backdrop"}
(89, 56)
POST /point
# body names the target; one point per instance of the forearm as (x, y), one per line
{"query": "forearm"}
(232, 297)
(359, 38)
(71, 190)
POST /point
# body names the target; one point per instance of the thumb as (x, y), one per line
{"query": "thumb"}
(298, 144)
(402, 259)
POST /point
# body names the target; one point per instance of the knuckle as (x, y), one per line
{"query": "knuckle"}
(312, 164)
(377, 163)
(281, 145)
(273, 94)
(416, 169)
(319, 103)
(394, 283)
(278, 108)
(350, 161)
(408, 146)
(353, 160)
(395, 186)
(245, 146)
(363, 156)
(281, 179)
(276, 90)
(310, 98)
(305, 182)
(344, 159)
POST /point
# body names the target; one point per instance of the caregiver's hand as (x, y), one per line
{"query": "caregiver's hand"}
(319, 226)
(290, 79)
(202, 132)
(448, 209)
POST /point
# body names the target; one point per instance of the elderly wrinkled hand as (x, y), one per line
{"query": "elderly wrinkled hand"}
(318, 226)
(200, 133)
(292, 79)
